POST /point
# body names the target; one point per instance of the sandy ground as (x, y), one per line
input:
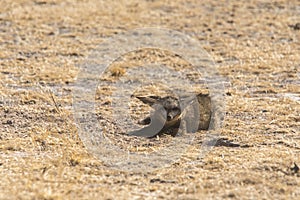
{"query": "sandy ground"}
(256, 47)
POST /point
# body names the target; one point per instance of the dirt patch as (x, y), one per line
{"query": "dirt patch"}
(255, 46)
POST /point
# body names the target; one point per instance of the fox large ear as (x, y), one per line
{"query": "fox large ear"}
(150, 100)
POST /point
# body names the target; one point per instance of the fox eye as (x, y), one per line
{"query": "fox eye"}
(175, 110)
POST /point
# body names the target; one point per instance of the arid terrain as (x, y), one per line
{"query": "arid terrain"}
(256, 49)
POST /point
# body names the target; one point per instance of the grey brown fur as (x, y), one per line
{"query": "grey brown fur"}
(195, 115)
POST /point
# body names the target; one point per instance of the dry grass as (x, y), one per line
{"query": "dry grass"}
(256, 47)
